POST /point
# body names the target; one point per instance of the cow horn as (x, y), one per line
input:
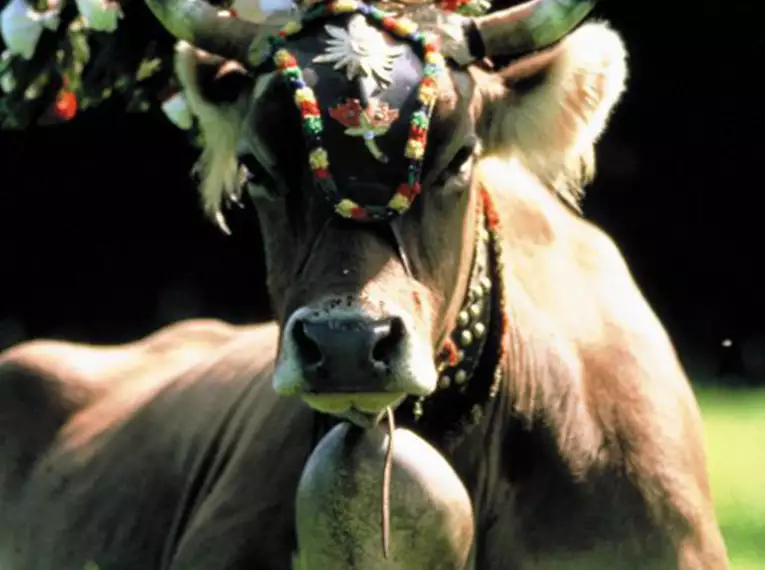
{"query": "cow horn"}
(199, 23)
(530, 26)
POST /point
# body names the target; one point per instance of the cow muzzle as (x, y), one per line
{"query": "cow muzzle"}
(342, 361)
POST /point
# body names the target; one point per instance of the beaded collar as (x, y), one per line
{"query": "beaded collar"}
(435, 65)
(469, 374)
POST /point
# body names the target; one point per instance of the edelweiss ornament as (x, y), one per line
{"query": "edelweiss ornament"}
(21, 26)
(361, 50)
(369, 123)
(100, 15)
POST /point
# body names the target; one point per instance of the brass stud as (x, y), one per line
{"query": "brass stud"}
(460, 356)
(444, 382)
(476, 293)
(486, 284)
(475, 310)
(463, 318)
(466, 337)
(460, 377)
(479, 330)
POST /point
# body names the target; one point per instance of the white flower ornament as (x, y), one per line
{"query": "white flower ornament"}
(361, 50)
(100, 15)
(21, 27)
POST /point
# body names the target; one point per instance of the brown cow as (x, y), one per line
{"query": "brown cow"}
(503, 328)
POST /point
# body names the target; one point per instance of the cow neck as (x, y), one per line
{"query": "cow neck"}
(470, 362)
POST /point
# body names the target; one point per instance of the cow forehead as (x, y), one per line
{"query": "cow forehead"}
(365, 84)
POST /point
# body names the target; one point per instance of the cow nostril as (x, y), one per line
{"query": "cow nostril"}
(309, 350)
(385, 348)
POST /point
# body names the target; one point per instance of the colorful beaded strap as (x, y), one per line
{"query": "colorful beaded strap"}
(402, 29)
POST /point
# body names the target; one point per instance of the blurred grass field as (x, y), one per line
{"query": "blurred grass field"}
(735, 437)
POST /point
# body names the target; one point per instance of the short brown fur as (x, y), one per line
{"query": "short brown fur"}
(606, 471)
(152, 455)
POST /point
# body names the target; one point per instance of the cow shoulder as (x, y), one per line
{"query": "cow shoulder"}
(44, 383)
(36, 400)
(644, 404)
(621, 399)
(121, 468)
(81, 370)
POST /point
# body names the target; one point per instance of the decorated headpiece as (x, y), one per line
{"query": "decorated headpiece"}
(368, 120)
(463, 39)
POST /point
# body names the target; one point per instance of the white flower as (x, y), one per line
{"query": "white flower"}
(21, 27)
(361, 50)
(100, 15)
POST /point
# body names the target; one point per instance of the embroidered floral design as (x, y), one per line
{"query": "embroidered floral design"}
(369, 123)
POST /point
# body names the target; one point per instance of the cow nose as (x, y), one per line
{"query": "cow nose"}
(348, 354)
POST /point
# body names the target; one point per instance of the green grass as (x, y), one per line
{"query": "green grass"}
(735, 438)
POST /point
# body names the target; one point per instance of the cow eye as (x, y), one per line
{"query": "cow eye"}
(461, 160)
(460, 167)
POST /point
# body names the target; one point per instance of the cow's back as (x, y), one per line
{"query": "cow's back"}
(103, 450)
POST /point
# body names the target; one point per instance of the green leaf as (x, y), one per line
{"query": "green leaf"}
(147, 68)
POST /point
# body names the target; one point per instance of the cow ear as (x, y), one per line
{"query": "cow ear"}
(209, 78)
(555, 104)
(217, 91)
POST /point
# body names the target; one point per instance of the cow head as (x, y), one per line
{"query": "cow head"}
(373, 219)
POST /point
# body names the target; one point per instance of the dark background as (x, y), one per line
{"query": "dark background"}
(103, 239)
